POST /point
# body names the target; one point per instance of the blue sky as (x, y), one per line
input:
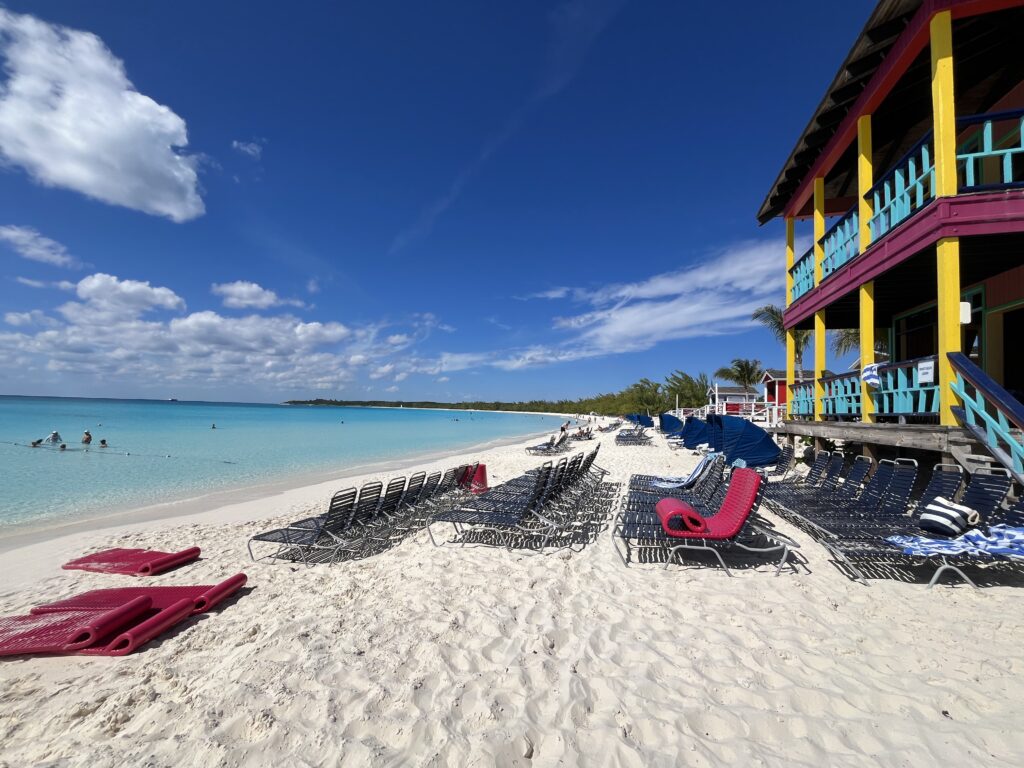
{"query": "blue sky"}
(394, 200)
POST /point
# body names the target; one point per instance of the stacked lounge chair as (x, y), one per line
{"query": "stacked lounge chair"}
(359, 522)
(545, 506)
(637, 436)
(552, 446)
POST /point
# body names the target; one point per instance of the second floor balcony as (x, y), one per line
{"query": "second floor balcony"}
(990, 157)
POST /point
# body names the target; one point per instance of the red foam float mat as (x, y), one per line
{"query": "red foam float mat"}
(134, 562)
(203, 597)
(109, 622)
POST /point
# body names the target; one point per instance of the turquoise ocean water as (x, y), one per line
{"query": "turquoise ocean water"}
(166, 451)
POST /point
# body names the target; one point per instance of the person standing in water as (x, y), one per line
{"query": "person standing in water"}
(213, 426)
(54, 438)
(86, 438)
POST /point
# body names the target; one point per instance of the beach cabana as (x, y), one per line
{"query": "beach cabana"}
(742, 439)
(669, 423)
(697, 434)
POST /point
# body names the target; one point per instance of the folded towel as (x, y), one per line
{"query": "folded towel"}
(678, 519)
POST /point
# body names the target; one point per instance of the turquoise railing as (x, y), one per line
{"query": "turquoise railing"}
(841, 243)
(908, 187)
(901, 393)
(801, 400)
(987, 157)
(842, 395)
(990, 413)
(991, 156)
(803, 275)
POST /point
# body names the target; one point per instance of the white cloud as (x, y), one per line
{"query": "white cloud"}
(552, 293)
(401, 376)
(30, 244)
(33, 317)
(253, 149)
(312, 286)
(442, 379)
(398, 339)
(382, 370)
(71, 118)
(392, 388)
(106, 299)
(242, 294)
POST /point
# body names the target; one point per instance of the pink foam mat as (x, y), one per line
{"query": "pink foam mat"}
(134, 562)
(109, 622)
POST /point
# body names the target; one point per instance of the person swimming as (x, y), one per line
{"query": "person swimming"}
(37, 443)
(63, 447)
(103, 443)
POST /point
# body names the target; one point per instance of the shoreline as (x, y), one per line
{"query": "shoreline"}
(20, 535)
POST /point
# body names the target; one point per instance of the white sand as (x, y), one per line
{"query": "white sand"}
(425, 656)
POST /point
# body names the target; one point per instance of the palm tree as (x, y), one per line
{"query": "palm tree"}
(770, 316)
(746, 373)
(692, 391)
(846, 340)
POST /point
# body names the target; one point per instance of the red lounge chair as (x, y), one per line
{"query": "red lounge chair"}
(133, 562)
(109, 622)
(678, 526)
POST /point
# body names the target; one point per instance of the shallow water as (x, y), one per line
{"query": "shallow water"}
(163, 451)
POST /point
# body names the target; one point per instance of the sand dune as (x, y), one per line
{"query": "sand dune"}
(481, 656)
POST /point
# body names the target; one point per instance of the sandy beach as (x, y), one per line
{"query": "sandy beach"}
(482, 656)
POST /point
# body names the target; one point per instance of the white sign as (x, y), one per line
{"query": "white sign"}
(926, 372)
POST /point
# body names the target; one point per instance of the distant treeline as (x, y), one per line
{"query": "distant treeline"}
(642, 397)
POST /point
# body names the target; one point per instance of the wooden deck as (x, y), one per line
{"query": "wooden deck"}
(924, 437)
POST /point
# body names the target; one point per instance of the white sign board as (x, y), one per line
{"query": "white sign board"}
(926, 372)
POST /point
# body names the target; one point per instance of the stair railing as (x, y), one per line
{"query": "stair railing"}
(990, 413)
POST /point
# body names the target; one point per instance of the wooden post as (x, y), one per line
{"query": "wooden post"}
(865, 179)
(790, 336)
(947, 251)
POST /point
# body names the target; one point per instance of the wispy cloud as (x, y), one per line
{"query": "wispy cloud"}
(30, 244)
(573, 28)
(253, 149)
(71, 118)
(713, 298)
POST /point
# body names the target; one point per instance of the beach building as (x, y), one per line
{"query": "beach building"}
(908, 182)
(723, 398)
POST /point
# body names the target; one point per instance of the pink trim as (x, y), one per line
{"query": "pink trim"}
(987, 213)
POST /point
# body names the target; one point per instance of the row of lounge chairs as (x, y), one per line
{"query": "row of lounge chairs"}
(611, 427)
(728, 506)
(547, 506)
(855, 513)
(636, 436)
(358, 521)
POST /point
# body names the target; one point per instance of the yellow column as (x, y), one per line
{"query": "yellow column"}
(865, 178)
(947, 252)
(819, 317)
(790, 338)
(819, 364)
(819, 226)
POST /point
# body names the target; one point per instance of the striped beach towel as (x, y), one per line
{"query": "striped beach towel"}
(1000, 541)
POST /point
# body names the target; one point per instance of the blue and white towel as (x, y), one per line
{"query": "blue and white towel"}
(870, 375)
(1000, 541)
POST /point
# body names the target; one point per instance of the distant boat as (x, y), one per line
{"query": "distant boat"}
(172, 399)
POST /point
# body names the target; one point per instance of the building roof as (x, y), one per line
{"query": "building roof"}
(732, 390)
(881, 31)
